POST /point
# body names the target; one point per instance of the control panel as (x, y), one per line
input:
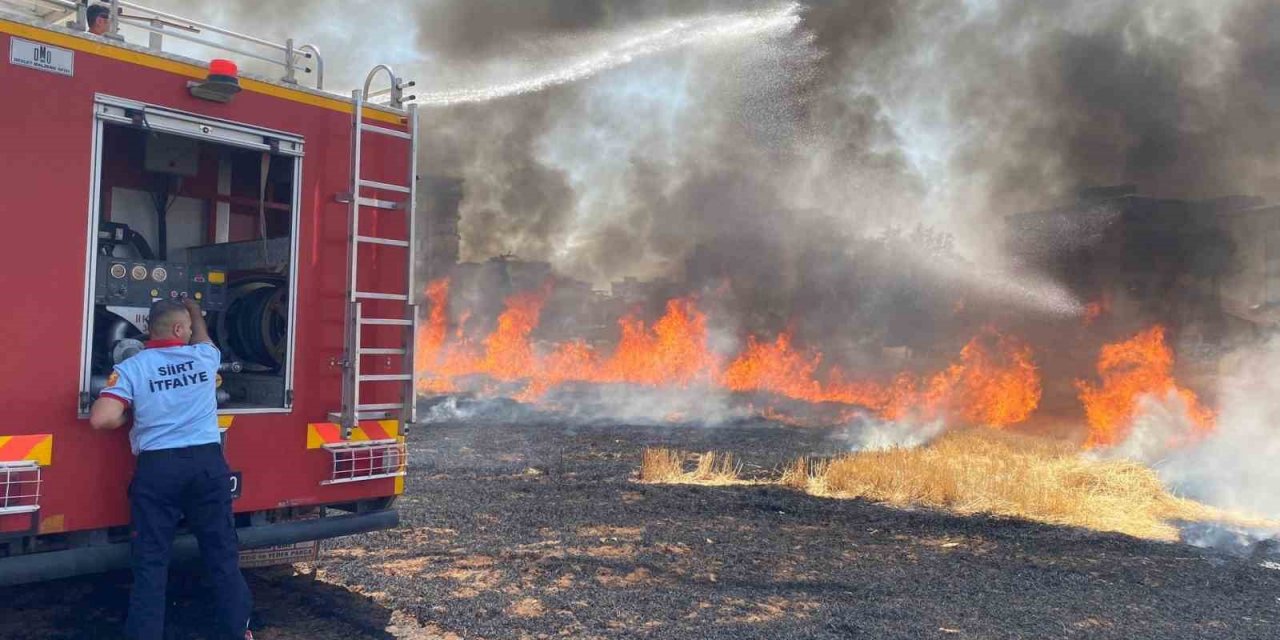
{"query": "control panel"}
(139, 283)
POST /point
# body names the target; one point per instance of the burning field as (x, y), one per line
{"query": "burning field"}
(993, 383)
(968, 433)
(993, 380)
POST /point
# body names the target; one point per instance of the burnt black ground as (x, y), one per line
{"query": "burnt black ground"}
(537, 530)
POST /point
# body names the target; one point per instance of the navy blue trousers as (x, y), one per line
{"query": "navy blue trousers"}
(192, 483)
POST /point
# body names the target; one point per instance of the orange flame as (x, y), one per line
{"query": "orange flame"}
(508, 355)
(993, 382)
(779, 368)
(571, 361)
(430, 341)
(997, 388)
(1000, 386)
(432, 335)
(674, 352)
(1129, 370)
(776, 367)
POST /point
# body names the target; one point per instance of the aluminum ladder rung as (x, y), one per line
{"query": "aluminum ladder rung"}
(385, 131)
(390, 377)
(387, 241)
(373, 184)
(371, 295)
(382, 352)
(387, 322)
(380, 204)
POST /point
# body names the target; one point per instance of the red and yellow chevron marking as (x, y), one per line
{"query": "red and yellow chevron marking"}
(322, 433)
(17, 448)
(224, 422)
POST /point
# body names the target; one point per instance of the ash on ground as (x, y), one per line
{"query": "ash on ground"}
(538, 530)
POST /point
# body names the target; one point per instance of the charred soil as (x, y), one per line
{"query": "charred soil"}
(540, 531)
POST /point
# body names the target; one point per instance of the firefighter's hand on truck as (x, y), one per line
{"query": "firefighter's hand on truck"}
(199, 331)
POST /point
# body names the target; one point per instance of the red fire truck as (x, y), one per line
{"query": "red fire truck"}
(287, 211)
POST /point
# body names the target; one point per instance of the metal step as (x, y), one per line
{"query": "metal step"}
(381, 407)
(387, 241)
(335, 416)
(387, 322)
(381, 204)
(373, 184)
(391, 377)
(363, 478)
(385, 131)
(383, 352)
(351, 445)
(370, 295)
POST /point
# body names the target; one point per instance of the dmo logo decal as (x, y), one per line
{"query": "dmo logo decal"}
(41, 57)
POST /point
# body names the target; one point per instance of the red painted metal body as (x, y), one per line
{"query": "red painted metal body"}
(46, 125)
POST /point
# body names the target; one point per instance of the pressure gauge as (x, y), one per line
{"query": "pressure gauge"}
(159, 274)
(139, 272)
(118, 271)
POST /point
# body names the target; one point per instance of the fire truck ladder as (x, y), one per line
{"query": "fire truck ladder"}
(353, 411)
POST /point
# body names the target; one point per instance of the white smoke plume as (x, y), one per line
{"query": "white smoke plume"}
(626, 404)
(869, 433)
(1234, 467)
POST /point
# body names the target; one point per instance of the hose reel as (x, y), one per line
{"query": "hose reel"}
(254, 326)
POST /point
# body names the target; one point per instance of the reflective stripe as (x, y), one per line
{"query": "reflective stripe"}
(36, 448)
(322, 433)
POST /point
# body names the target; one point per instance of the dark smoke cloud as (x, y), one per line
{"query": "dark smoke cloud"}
(941, 112)
(653, 180)
(753, 155)
(481, 145)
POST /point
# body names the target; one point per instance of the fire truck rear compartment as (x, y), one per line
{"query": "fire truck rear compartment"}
(178, 217)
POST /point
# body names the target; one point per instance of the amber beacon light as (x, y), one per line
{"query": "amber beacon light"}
(221, 84)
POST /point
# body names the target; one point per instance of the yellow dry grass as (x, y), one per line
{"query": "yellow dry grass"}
(982, 471)
(667, 466)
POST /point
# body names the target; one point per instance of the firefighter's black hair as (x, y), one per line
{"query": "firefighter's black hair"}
(97, 11)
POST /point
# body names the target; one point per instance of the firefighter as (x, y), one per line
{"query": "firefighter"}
(181, 472)
(99, 19)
